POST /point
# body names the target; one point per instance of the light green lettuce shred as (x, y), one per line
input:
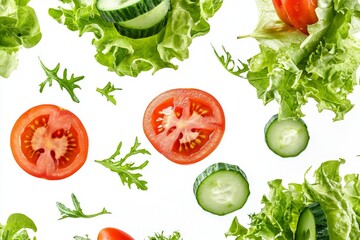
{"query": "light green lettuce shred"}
(126, 56)
(292, 68)
(338, 196)
(19, 27)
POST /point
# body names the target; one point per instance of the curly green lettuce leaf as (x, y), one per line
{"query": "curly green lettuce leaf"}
(339, 199)
(17, 227)
(292, 68)
(19, 27)
(126, 56)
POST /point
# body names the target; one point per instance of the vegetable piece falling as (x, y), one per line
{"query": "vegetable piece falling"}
(129, 56)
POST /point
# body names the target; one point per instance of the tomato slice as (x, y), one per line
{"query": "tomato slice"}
(302, 13)
(281, 11)
(110, 233)
(185, 125)
(49, 142)
(297, 13)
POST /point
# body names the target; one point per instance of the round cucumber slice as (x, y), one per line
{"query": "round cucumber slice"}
(147, 24)
(286, 138)
(123, 10)
(221, 188)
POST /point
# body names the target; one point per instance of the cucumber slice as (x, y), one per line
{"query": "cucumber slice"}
(147, 24)
(312, 224)
(221, 189)
(123, 10)
(286, 138)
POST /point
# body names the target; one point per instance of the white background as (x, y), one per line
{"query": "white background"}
(169, 203)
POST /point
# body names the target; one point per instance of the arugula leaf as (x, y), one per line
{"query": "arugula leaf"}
(16, 227)
(160, 236)
(82, 238)
(236, 68)
(291, 67)
(77, 212)
(19, 27)
(338, 197)
(126, 56)
(69, 84)
(125, 170)
(105, 91)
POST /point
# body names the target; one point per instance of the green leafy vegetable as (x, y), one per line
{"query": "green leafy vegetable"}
(160, 236)
(69, 84)
(127, 56)
(105, 91)
(125, 170)
(82, 238)
(16, 227)
(19, 27)
(292, 68)
(77, 212)
(338, 197)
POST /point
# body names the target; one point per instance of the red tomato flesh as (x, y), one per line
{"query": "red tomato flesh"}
(185, 125)
(113, 234)
(297, 13)
(49, 142)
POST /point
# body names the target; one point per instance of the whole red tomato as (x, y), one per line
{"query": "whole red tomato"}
(110, 233)
(297, 13)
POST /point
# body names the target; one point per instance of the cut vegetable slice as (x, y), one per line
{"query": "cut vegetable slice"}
(123, 10)
(147, 24)
(286, 138)
(312, 224)
(221, 189)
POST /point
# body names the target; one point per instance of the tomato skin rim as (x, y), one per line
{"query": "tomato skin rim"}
(16, 143)
(111, 233)
(155, 139)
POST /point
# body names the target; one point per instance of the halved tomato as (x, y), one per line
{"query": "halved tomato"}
(185, 125)
(110, 233)
(49, 142)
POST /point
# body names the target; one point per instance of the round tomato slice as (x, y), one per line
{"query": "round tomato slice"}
(110, 233)
(49, 142)
(185, 125)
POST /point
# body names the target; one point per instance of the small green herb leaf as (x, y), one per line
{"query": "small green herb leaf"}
(70, 84)
(160, 236)
(236, 68)
(82, 238)
(105, 91)
(125, 170)
(77, 212)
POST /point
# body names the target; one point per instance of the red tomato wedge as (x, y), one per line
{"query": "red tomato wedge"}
(110, 233)
(297, 13)
(185, 125)
(49, 142)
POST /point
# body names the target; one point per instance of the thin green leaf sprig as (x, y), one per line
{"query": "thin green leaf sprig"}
(127, 170)
(107, 90)
(160, 236)
(69, 84)
(77, 212)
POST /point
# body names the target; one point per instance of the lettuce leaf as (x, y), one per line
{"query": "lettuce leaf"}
(19, 27)
(292, 68)
(339, 199)
(126, 56)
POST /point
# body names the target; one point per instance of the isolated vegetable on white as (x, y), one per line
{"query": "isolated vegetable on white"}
(19, 28)
(124, 55)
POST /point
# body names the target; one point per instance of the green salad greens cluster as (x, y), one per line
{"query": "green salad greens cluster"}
(126, 56)
(19, 27)
(292, 67)
(339, 199)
